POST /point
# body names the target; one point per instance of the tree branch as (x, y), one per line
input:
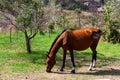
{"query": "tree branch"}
(8, 18)
(36, 31)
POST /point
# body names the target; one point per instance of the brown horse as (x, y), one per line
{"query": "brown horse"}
(70, 39)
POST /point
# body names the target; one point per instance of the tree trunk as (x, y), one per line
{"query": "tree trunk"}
(28, 46)
(79, 21)
(10, 35)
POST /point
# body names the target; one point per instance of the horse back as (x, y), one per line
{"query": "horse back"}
(79, 39)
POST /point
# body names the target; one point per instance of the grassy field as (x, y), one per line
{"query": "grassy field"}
(16, 64)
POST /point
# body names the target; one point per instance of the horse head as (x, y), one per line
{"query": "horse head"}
(50, 62)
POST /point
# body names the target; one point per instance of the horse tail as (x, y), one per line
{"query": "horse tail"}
(56, 40)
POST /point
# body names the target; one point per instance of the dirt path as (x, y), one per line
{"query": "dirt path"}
(111, 72)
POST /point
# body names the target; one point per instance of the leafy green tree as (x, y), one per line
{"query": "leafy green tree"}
(112, 20)
(27, 13)
(61, 20)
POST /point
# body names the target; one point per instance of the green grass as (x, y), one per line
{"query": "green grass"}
(13, 56)
(109, 50)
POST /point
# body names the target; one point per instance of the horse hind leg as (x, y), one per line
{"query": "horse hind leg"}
(73, 64)
(92, 65)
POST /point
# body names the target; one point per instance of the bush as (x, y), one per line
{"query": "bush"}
(113, 34)
(112, 26)
(51, 26)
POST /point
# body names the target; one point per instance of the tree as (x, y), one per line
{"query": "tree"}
(61, 21)
(27, 13)
(78, 11)
(112, 20)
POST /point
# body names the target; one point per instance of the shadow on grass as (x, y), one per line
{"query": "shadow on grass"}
(115, 72)
(84, 59)
(104, 72)
(35, 57)
(81, 59)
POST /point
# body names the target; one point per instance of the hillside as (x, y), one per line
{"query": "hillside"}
(72, 4)
(92, 13)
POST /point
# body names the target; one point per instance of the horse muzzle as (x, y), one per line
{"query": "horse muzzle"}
(48, 70)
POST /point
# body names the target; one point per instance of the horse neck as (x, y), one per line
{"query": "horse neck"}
(56, 45)
(54, 49)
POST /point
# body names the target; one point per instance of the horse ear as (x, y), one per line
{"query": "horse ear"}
(47, 56)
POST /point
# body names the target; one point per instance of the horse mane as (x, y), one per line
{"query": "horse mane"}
(56, 40)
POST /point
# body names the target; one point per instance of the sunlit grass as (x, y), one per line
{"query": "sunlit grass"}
(13, 56)
(109, 50)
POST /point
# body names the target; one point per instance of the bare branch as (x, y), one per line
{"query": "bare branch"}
(34, 34)
(8, 18)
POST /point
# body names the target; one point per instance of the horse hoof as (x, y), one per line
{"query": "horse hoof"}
(94, 66)
(49, 71)
(73, 72)
(61, 70)
(89, 69)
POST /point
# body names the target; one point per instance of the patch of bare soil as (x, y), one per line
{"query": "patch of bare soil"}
(111, 72)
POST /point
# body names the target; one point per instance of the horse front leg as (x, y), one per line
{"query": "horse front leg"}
(72, 59)
(64, 58)
(92, 65)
